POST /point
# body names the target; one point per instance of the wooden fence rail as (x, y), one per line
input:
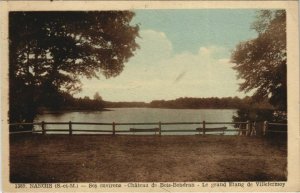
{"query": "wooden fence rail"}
(248, 129)
(268, 128)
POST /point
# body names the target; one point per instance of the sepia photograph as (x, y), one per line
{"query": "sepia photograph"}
(141, 96)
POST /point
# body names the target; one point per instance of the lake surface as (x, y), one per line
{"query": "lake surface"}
(140, 115)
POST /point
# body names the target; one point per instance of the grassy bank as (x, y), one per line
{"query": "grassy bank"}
(90, 158)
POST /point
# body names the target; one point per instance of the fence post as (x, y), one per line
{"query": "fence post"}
(114, 128)
(43, 128)
(70, 128)
(159, 127)
(248, 128)
(240, 131)
(265, 128)
(253, 129)
(203, 128)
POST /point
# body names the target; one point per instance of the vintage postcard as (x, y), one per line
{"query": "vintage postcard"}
(150, 96)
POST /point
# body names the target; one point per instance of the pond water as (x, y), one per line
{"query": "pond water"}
(140, 115)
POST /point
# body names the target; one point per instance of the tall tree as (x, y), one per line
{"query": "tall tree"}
(50, 51)
(262, 62)
(97, 97)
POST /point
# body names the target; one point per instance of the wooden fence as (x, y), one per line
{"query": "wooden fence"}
(244, 128)
(268, 127)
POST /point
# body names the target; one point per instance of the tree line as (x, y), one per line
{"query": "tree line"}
(68, 102)
(210, 103)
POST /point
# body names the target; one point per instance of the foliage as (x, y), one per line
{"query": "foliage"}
(262, 62)
(67, 102)
(50, 51)
(258, 115)
(97, 97)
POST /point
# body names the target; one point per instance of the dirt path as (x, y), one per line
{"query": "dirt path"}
(62, 158)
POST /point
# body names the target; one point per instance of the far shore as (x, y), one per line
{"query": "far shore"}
(49, 111)
(106, 158)
(59, 111)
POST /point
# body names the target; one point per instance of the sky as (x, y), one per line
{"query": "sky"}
(183, 53)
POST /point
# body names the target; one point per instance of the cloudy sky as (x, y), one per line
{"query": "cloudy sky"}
(184, 53)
